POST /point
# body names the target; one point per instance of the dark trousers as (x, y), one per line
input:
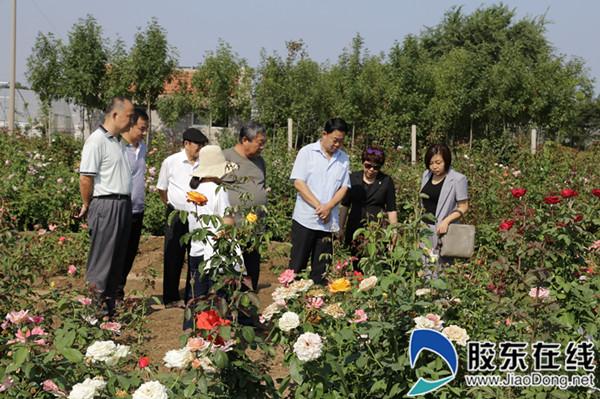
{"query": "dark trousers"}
(174, 255)
(308, 243)
(109, 221)
(252, 263)
(137, 222)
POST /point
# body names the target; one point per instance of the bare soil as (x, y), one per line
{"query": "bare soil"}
(165, 324)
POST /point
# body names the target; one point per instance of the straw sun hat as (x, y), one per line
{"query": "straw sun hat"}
(212, 163)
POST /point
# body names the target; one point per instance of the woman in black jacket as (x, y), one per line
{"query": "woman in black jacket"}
(371, 193)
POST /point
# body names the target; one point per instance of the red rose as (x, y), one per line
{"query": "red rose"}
(518, 192)
(144, 362)
(358, 275)
(506, 225)
(568, 193)
(210, 319)
(596, 192)
(578, 218)
(552, 199)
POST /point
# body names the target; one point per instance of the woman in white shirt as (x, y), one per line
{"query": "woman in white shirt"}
(206, 199)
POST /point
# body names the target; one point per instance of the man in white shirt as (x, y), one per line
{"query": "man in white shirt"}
(321, 176)
(173, 185)
(105, 187)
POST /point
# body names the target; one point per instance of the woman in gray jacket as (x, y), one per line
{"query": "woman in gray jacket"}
(446, 191)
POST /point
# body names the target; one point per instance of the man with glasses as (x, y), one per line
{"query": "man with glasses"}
(136, 154)
(321, 177)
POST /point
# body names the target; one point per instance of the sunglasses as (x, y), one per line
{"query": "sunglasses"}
(374, 151)
(372, 166)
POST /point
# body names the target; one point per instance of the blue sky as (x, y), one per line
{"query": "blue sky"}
(326, 26)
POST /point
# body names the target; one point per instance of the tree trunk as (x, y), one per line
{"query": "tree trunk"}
(82, 122)
(209, 125)
(471, 135)
(49, 122)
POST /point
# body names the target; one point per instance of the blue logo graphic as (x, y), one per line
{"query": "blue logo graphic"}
(436, 342)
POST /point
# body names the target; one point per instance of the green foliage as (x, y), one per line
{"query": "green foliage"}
(221, 86)
(44, 72)
(84, 61)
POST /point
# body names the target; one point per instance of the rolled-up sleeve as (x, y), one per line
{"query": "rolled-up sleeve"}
(91, 159)
(163, 176)
(462, 189)
(300, 169)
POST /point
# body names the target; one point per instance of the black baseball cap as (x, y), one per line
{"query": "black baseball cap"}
(195, 136)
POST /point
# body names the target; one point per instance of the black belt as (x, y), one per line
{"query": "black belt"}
(114, 196)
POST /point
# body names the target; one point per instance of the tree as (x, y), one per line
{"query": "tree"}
(153, 62)
(84, 67)
(118, 81)
(44, 74)
(221, 86)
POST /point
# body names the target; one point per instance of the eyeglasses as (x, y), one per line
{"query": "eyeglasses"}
(372, 166)
(374, 151)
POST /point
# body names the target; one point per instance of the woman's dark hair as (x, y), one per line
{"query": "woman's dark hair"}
(374, 155)
(336, 124)
(441, 149)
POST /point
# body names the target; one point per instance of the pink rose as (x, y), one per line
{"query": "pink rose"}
(50, 386)
(360, 316)
(287, 276)
(61, 240)
(19, 317)
(72, 270)
(315, 303)
(539, 292)
(85, 301)
(111, 326)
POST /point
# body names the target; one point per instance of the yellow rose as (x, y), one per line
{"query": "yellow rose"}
(340, 285)
(251, 217)
(196, 198)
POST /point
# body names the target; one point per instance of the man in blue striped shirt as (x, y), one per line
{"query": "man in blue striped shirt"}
(136, 155)
(321, 175)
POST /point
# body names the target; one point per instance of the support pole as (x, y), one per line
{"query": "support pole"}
(533, 141)
(413, 144)
(290, 133)
(13, 70)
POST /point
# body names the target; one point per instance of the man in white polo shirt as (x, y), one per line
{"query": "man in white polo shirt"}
(321, 175)
(173, 185)
(105, 187)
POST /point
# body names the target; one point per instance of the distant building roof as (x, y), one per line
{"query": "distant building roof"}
(181, 78)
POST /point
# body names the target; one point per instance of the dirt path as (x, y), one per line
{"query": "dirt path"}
(165, 324)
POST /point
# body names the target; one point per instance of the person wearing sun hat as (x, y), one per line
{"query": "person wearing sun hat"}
(206, 197)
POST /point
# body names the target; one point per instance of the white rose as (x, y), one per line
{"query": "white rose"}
(456, 334)
(289, 321)
(272, 310)
(178, 358)
(121, 351)
(151, 390)
(283, 294)
(423, 322)
(367, 283)
(87, 389)
(207, 364)
(100, 351)
(308, 347)
(301, 285)
(423, 291)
